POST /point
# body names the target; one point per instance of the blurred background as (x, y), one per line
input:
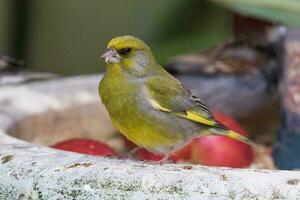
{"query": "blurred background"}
(67, 37)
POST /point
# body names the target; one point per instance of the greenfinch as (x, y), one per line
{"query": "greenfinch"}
(150, 106)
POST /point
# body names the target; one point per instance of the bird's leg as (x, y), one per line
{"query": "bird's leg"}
(132, 152)
(165, 159)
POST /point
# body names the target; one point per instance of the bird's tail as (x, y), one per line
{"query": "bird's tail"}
(233, 135)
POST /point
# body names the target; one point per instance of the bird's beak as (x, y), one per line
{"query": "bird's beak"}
(111, 56)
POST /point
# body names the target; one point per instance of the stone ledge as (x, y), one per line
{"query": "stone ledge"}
(31, 171)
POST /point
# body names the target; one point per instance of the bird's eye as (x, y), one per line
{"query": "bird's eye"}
(124, 51)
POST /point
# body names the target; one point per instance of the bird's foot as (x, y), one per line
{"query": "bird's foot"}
(165, 160)
(129, 155)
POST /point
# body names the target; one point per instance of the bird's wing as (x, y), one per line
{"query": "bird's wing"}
(168, 95)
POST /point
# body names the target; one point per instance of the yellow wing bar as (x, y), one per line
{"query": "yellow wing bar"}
(188, 114)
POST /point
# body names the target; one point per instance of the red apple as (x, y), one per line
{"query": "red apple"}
(143, 154)
(221, 150)
(85, 146)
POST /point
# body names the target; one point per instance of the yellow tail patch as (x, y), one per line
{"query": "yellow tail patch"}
(235, 136)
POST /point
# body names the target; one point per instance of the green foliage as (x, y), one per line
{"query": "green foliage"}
(284, 11)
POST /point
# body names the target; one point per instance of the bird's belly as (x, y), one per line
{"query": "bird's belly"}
(151, 129)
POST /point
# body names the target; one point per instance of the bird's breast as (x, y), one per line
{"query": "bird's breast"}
(134, 116)
(118, 96)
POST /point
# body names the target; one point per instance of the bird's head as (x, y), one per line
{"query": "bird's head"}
(128, 54)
